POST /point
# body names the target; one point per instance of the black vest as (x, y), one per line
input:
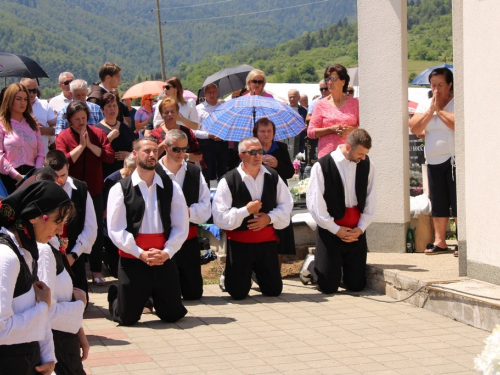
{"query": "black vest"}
(79, 199)
(241, 195)
(334, 189)
(59, 259)
(135, 207)
(25, 278)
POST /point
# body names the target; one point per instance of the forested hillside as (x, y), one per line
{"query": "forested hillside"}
(80, 36)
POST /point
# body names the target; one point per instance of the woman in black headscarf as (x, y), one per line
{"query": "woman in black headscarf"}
(34, 213)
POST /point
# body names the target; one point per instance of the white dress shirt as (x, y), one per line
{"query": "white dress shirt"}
(59, 102)
(229, 218)
(87, 237)
(316, 203)
(188, 110)
(198, 212)
(151, 223)
(43, 113)
(64, 315)
(21, 318)
(204, 110)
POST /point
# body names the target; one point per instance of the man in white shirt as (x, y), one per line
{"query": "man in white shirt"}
(343, 212)
(197, 196)
(42, 112)
(250, 203)
(148, 221)
(81, 232)
(215, 150)
(65, 97)
(323, 89)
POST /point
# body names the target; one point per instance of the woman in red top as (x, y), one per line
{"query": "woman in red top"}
(335, 116)
(86, 148)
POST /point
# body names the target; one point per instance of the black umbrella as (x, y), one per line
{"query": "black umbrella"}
(229, 79)
(12, 65)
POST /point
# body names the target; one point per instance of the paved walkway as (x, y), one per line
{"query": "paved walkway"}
(300, 332)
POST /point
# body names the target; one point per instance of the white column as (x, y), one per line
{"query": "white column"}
(383, 81)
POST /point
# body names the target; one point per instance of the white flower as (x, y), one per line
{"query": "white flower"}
(488, 362)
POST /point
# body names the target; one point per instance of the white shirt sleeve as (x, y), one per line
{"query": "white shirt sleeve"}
(316, 203)
(366, 217)
(225, 216)
(200, 212)
(192, 112)
(47, 350)
(157, 120)
(201, 133)
(179, 218)
(280, 216)
(87, 237)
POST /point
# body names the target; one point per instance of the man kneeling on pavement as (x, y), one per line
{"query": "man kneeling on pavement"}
(250, 203)
(342, 212)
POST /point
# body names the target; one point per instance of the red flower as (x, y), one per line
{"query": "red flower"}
(0, 204)
(27, 233)
(62, 250)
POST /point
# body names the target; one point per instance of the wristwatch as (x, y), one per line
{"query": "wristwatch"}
(74, 255)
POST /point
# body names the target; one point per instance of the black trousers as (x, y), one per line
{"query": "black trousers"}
(80, 274)
(215, 154)
(19, 358)
(137, 282)
(334, 258)
(188, 264)
(243, 258)
(67, 349)
(10, 183)
(286, 245)
(95, 257)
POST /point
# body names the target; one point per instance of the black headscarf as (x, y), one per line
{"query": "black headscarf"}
(36, 199)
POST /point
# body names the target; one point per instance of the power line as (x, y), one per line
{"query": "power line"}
(246, 14)
(193, 6)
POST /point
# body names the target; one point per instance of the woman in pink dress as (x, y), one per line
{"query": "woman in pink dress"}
(21, 145)
(336, 115)
(256, 80)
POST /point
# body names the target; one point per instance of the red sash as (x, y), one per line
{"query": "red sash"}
(146, 242)
(351, 217)
(193, 232)
(266, 234)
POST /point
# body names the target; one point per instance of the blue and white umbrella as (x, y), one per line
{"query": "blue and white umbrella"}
(423, 78)
(235, 119)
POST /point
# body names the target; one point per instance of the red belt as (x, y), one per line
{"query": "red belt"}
(146, 242)
(351, 217)
(193, 232)
(266, 234)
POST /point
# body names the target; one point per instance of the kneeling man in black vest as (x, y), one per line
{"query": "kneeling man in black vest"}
(342, 212)
(148, 221)
(250, 203)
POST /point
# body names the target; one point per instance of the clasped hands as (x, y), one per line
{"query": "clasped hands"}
(349, 235)
(154, 257)
(261, 220)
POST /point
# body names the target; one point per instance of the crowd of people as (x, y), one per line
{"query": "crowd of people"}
(86, 178)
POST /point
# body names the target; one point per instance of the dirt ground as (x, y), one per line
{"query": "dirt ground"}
(211, 271)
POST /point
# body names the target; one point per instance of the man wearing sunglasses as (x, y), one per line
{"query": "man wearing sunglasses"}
(250, 203)
(323, 88)
(65, 97)
(43, 114)
(197, 195)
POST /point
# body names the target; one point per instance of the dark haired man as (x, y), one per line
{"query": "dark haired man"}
(148, 221)
(343, 212)
(81, 232)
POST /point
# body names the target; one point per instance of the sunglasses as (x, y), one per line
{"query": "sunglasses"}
(323, 89)
(67, 82)
(33, 91)
(179, 149)
(333, 79)
(167, 87)
(350, 92)
(257, 81)
(254, 152)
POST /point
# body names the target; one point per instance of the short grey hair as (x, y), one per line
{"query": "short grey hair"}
(25, 80)
(242, 146)
(64, 74)
(321, 82)
(174, 134)
(129, 160)
(77, 84)
(294, 91)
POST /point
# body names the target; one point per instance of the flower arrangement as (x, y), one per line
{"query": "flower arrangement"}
(299, 191)
(296, 165)
(488, 362)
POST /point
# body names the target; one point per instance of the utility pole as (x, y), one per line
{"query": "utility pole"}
(161, 40)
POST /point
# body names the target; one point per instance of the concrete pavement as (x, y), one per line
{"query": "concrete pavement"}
(300, 332)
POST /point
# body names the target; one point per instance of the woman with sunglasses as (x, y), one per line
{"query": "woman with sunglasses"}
(335, 116)
(32, 214)
(187, 113)
(21, 144)
(169, 112)
(144, 113)
(256, 80)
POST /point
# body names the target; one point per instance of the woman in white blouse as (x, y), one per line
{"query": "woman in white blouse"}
(34, 213)
(188, 115)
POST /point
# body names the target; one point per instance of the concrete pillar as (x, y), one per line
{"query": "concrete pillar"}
(383, 81)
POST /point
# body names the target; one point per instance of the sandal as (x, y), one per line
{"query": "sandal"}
(99, 281)
(436, 250)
